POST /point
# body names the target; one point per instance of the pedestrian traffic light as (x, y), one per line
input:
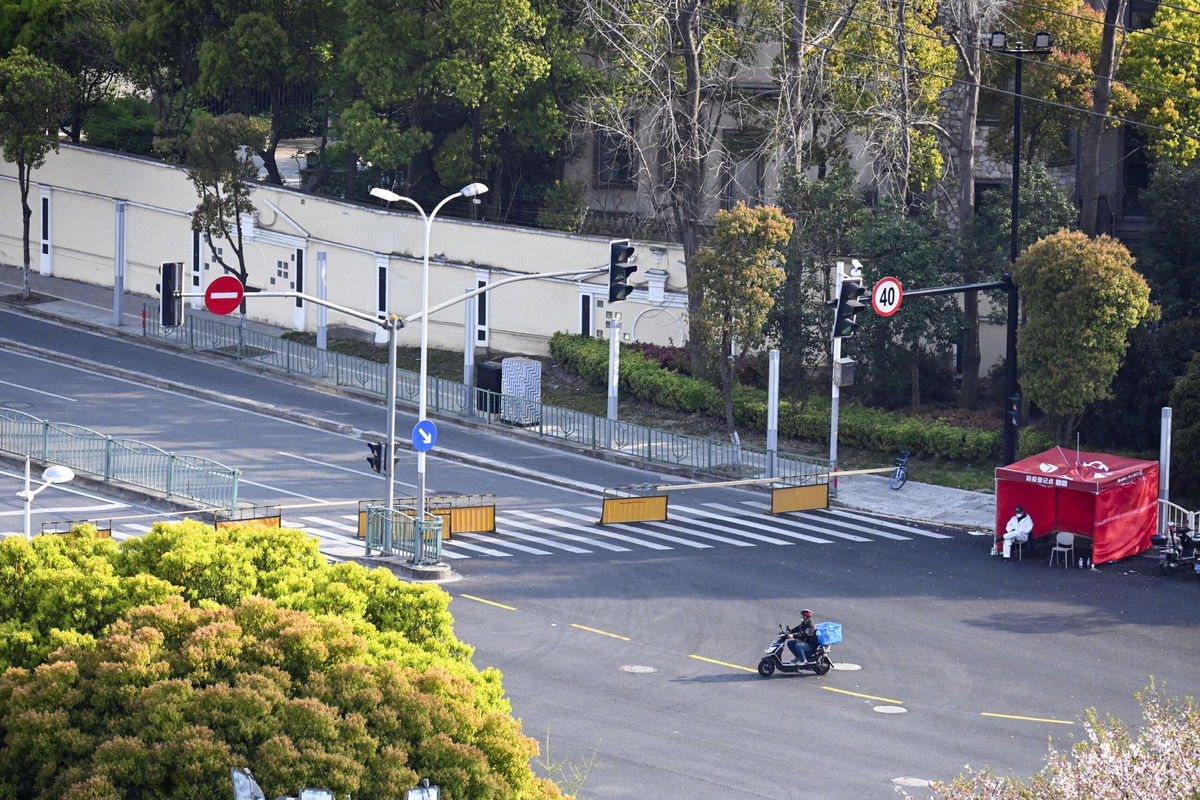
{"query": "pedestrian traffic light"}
(619, 269)
(1014, 410)
(170, 303)
(376, 457)
(850, 300)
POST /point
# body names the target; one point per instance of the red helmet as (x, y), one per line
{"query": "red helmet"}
(806, 613)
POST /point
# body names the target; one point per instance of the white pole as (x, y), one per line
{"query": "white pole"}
(835, 391)
(119, 263)
(1164, 457)
(322, 318)
(469, 317)
(391, 434)
(772, 412)
(614, 366)
(28, 502)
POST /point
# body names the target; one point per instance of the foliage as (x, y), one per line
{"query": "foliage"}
(1044, 209)
(564, 206)
(667, 356)
(736, 280)
(1185, 411)
(123, 123)
(806, 419)
(311, 674)
(914, 248)
(1169, 251)
(1164, 65)
(1111, 762)
(1081, 298)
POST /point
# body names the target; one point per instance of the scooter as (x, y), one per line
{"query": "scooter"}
(1176, 548)
(773, 658)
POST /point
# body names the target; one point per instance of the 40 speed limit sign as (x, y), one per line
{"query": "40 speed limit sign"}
(886, 297)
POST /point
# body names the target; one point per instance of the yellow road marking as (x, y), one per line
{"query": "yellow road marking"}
(1027, 719)
(602, 633)
(489, 602)
(722, 663)
(856, 694)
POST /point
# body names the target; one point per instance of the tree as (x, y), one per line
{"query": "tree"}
(737, 279)
(1111, 762)
(1081, 299)
(190, 651)
(1185, 410)
(1168, 252)
(216, 156)
(34, 94)
(1164, 65)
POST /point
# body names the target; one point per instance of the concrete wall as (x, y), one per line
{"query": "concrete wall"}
(84, 188)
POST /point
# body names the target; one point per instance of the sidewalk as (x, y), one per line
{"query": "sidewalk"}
(88, 307)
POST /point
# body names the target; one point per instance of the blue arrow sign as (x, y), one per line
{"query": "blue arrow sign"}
(424, 435)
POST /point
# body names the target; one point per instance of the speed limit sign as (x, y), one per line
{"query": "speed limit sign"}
(886, 297)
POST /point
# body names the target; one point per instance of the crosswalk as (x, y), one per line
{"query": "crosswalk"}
(575, 532)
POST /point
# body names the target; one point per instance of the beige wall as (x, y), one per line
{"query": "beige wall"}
(85, 187)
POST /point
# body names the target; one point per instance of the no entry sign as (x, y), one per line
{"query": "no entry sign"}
(886, 297)
(223, 295)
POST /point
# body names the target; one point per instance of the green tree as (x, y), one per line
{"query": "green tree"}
(1081, 298)
(34, 94)
(1185, 410)
(1164, 65)
(216, 155)
(1168, 252)
(737, 279)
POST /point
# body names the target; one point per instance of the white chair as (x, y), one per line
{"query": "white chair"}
(1064, 543)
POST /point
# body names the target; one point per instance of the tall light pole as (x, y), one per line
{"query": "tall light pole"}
(1041, 46)
(470, 190)
(52, 475)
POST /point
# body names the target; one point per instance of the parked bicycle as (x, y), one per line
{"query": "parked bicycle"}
(900, 474)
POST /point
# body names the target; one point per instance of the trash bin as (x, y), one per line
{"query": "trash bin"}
(489, 376)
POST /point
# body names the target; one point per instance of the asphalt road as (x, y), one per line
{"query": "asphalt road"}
(635, 665)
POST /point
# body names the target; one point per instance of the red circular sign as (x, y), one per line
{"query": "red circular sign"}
(886, 297)
(223, 295)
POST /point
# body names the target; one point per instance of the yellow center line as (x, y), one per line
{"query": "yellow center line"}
(602, 633)
(1027, 719)
(856, 694)
(489, 602)
(722, 663)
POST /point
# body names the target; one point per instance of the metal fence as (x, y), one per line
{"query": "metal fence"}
(394, 533)
(124, 461)
(444, 396)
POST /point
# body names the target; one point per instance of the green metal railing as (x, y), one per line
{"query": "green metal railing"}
(124, 461)
(395, 533)
(654, 446)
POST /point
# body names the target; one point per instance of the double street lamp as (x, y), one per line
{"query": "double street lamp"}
(470, 190)
(998, 42)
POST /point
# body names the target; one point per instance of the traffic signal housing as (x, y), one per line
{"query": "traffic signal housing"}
(170, 304)
(376, 457)
(850, 300)
(619, 269)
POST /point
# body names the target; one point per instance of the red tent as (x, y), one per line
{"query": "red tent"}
(1112, 499)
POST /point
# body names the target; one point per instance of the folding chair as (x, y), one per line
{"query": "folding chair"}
(1064, 543)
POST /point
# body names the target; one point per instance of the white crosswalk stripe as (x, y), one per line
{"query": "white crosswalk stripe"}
(886, 523)
(616, 548)
(803, 524)
(754, 524)
(591, 520)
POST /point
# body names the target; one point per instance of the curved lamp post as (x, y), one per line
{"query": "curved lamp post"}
(53, 474)
(470, 190)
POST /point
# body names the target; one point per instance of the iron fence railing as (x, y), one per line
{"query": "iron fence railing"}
(395, 533)
(444, 396)
(124, 461)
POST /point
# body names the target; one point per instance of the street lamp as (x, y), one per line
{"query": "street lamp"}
(998, 42)
(470, 190)
(50, 476)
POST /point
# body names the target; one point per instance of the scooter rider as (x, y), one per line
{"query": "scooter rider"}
(802, 639)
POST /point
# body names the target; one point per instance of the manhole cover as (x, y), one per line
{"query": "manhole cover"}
(17, 404)
(848, 667)
(638, 668)
(915, 783)
(890, 709)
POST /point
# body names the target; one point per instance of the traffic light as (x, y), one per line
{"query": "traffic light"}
(1014, 410)
(170, 303)
(619, 269)
(850, 300)
(376, 457)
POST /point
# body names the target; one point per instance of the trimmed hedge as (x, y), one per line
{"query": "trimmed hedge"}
(858, 426)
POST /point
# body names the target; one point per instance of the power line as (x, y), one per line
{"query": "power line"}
(1139, 31)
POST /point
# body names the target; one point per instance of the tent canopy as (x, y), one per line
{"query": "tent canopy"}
(1113, 500)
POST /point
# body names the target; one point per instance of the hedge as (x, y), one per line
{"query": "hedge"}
(808, 420)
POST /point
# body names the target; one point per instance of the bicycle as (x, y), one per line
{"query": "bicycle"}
(899, 475)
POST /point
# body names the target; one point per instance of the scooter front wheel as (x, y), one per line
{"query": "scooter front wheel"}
(823, 665)
(766, 667)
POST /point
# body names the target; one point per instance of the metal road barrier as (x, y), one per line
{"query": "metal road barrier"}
(641, 503)
(462, 513)
(715, 456)
(262, 516)
(63, 527)
(394, 533)
(124, 461)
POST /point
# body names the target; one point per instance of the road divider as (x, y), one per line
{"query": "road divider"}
(1027, 719)
(602, 633)
(866, 696)
(487, 602)
(722, 663)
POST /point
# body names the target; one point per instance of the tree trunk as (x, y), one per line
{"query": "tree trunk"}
(966, 210)
(795, 84)
(687, 191)
(915, 395)
(351, 185)
(23, 173)
(1089, 168)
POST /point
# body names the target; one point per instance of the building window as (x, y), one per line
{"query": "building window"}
(744, 169)
(615, 161)
(1141, 14)
(299, 284)
(1135, 173)
(585, 315)
(481, 314)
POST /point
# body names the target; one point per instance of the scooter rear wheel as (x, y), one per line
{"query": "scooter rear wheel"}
(766, 667)
(823, 665)
(1168, 566)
